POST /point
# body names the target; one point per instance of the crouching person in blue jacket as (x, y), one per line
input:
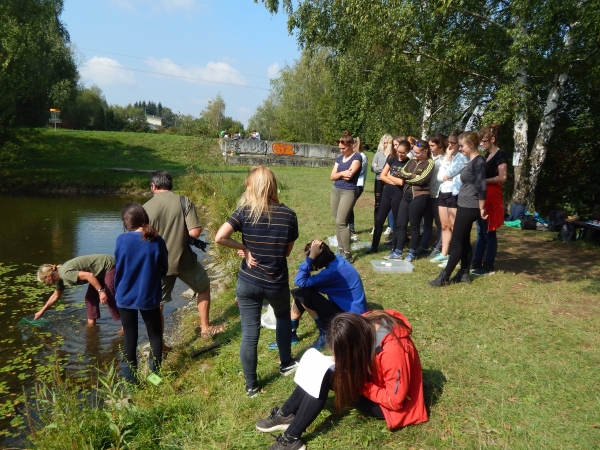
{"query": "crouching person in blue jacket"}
(337, 279)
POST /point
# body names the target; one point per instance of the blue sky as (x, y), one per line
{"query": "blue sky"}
(207, 46)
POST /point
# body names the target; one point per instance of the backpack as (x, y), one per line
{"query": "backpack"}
(557, 219)
(528, 223)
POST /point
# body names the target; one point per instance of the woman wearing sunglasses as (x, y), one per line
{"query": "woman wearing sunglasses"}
(415, 197)
(391, 196)
(449, 175)
(384, 150)
(496, 164)
(345, 175)
(471, 206)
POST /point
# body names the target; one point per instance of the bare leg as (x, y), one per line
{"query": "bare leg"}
(296, 313)
(446, 230)
(91, 322)
(203, 302)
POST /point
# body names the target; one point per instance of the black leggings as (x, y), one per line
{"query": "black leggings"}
(378, 188)
(152, 319)
(460, 245)
(411, 209)
(314, 300)
(390, 200)
(432, 214)
(306, 408)
(357, 193)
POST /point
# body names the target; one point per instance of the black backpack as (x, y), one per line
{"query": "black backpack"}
(557, 219)
(528, 223)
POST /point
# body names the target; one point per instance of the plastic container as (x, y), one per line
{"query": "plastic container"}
(392, 266)
(360, 245)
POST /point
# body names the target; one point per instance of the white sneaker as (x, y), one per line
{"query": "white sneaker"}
(373, 230)
(443, 265)
(388, 231)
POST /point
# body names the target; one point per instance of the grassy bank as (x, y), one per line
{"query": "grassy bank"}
(509, 361)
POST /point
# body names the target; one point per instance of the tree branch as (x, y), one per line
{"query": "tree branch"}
(482, 17)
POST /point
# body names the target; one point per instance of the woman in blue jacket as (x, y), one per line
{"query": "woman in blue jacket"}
(141, 261)
(338, 279)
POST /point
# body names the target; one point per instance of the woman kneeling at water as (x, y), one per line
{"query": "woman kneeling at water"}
(377, 370)
(97, 270)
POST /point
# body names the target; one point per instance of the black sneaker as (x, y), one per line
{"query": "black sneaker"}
(441, 280)
(483, 271)
(462, 276)
(252, 391)
(422, 251)
(285, 442)
(476, 264)
(288, 368)
(276, 421)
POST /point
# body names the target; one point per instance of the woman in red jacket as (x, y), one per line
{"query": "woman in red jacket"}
(377, 370)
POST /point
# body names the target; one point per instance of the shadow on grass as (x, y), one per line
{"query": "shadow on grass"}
(433, 387)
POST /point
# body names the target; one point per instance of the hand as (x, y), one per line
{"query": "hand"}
(103, 297)
(38, 315)
(250, 260)
(484, 214)
(449, 150)
(241, 253)
(315, 249)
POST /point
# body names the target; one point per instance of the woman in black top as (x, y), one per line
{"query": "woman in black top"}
(496, 164)
(391, 195)
(471, 206)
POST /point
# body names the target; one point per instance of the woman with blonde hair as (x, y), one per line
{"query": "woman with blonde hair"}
(471, 206)
(384, 150)
(360, 183)
(344, 174)
(269, 229)
(97, 270)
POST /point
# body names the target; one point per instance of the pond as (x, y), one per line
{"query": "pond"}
(40, 230)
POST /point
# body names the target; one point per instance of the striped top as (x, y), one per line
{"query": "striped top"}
(268, 243)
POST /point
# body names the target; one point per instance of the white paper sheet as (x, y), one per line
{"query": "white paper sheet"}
(311, 370)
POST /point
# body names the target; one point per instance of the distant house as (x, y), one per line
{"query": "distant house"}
(154, 122)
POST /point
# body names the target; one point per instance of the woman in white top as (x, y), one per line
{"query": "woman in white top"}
(452, 165)
(360, 183)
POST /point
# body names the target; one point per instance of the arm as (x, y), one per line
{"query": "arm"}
(353, 170)
(378, 164)
(501, 178)
(223, 237)
(335, 175)
(396, 380)
(388, 179)
(423, 178)
(480, 184)
(456, 166)
(90, 278)
(51, 301)
(195, 232)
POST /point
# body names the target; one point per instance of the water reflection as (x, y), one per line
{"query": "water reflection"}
(53, 230)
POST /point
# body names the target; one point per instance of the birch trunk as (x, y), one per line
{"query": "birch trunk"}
(521, 128)
(426, 121)
(544, 134)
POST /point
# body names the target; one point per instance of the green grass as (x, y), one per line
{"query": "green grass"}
(509, 361)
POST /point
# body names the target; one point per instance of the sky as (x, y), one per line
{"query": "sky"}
(181, 53)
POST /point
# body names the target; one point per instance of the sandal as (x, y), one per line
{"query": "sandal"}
(212, 331)
(166, 348)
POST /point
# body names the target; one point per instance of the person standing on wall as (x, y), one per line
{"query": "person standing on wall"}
(496, 167)
(176, 225)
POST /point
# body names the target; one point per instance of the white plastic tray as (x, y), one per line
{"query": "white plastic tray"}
(392, 266)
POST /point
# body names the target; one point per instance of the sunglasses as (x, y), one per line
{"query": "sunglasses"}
(417, 144)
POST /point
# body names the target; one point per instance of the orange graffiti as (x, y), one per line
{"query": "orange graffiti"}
(280, 148)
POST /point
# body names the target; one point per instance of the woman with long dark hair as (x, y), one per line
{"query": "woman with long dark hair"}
(496, 167)
(415, 196)
(142, 260)
(269, 229)
(391, 195)
(377, 370)
(345, 173)
(471, 206)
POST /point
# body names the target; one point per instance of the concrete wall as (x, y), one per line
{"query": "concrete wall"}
(277, 160)
(281, 149)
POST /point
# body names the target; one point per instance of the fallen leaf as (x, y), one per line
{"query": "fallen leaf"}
(507, 426)
(512, 399)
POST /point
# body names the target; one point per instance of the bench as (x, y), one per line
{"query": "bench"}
(582, 229)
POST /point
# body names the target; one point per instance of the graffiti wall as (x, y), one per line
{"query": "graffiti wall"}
(266, 148)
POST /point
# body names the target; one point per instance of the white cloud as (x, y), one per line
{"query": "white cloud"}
(214, 72)
(273, 70)
(169, 6)
(105, 71)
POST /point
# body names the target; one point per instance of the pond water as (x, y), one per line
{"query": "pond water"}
(39, 230)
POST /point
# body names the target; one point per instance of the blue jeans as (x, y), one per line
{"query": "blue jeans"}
(250, 300)
(487, 244)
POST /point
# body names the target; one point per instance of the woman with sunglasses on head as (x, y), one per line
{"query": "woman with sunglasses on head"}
(471, 206)
(377, 370)
(496, 167)
(142, 260)
(360, 183)
(391, 195)
(452, 165)
(384, 149)
(437, 145)
(416, 174)
(345, 173)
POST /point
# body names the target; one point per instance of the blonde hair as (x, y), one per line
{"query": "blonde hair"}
(261, 192)
(387, 150)
(46, 270)
(358, 148)
(471, 138)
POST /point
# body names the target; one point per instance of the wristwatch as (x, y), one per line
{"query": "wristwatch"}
(100, 290)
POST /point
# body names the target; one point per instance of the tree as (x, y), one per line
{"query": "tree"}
(37, 70)
(214, 113)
